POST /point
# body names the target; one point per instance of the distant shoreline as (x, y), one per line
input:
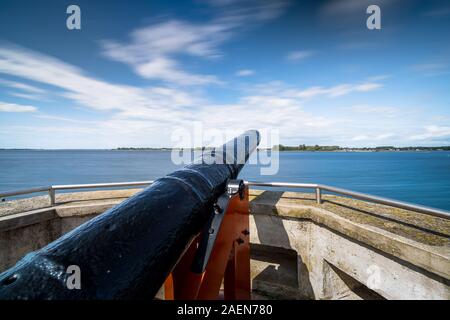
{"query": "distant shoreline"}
(290, 149)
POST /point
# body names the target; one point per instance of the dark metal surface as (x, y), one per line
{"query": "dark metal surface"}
(209, 234)
(128, 251)
(211, 229)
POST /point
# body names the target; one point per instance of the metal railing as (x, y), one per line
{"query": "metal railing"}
(357, 195)
(52, 189)
(317, 187)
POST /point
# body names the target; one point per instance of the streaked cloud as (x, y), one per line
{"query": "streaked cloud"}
(288, 91)
(379, 77)
(12, 107)
(21, 86)
(59, 118)
(431, 68)
(358, 45)
(349, 7)
(382, 111)
(266, 111)
(334, 91)
(376, 138)
(254, 11)
(245, 73)
(296, 56)
(438, 12)
(23, 90)
(433, 132)
(163, 103)
(139, 113)
(28, 96)
(152, 51)
(133, 112)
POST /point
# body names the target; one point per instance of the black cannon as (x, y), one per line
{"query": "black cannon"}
(128, 251)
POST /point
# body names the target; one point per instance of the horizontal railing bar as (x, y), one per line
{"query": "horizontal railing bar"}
(24, 191)
(281, 184)
(362, 196)
(390, 202)
(74, 186)
(102, 185)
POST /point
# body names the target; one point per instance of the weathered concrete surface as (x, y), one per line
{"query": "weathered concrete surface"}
(396, 259)
(418, 238)
(274, 272)
(341, 249)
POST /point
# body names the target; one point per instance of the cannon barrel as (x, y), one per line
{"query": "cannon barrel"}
(128, 251)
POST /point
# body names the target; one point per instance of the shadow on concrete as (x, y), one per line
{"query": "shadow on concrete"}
(286, 276)
(356, 287)
(270, 230)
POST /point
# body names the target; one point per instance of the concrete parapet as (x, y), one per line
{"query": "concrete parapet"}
(340, 249)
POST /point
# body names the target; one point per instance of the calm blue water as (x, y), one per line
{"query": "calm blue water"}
(418, 177)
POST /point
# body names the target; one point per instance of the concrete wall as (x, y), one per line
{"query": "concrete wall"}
(299, 251)
(21, 234)
(333, 266)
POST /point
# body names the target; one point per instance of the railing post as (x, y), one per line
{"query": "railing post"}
(52, 195)
(318, 196)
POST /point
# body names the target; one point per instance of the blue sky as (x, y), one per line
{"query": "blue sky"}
(138, 70)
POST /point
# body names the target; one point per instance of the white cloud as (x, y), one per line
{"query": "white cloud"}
(433, 132)
(245, 73)
(59, 118)
(152, 51)
(283, 90)
(376, 110)
(431, 68)
(372, 138)
(248, 11)
(145, 116)
(334, 91)
(12, 107)
(28, 96)
(299, 55)
(24, 91)
(168, 70)
(265, 111)
(21, 86)
(438, 12)
(163, 104)
(348, 8)
(379, 77)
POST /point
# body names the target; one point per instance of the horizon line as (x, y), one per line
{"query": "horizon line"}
(175, 148)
